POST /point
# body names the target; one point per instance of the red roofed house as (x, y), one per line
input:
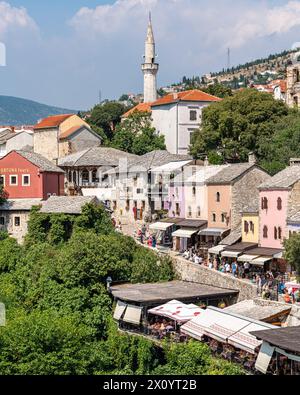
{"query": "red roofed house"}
(60, 135)
(177, 116)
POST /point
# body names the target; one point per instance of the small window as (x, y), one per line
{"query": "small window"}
(127, 205)
(25, 180)
(194, 191)
(223, 218)
(279, 233)
(190, 211)
(279, 204)
(114, 205)
(13, 180)
(193, 115)
(275, 233)
(265, 232)
(2, 181)
(246, 227)
(252, 227)
(218, 197)
(2, 221)
(198, 211)
(17, 221)
(214, 218)
(177, 209)
(139, 191)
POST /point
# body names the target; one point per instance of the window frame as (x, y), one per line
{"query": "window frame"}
(29, 179)
(15, 218)
(10, 177)
(2, 176)
(194, 117)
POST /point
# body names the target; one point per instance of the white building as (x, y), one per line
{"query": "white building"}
(177, 116)
(11, 140)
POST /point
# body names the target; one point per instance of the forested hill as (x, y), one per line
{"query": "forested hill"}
(17, 111)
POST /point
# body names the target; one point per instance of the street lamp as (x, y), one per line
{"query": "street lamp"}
(108, 283)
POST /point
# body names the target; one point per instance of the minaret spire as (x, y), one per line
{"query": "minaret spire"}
(149, 67)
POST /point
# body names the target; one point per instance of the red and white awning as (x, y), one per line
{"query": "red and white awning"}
(177, 311)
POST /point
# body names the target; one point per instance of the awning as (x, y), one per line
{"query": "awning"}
(192, 223)
(246, 258)
(278, 256)
(244, 341)
(212, 232)
(160, 226)
(264, 357)
(193, 330)
(133, 315)
(260, 261)
(231, 254)
(177, 311)
(119, 310)
(217, 249)
(186, 233)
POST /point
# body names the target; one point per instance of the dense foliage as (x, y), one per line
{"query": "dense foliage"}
(292, 252)
(239, 124)
(59, 313)
(218, 90)
(136, 135)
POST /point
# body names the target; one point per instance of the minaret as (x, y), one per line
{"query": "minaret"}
(149, 67)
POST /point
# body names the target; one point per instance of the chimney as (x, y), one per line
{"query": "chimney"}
(252, 158)
(295, 162)
(12, 128)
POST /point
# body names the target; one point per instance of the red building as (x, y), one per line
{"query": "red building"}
(25, 174)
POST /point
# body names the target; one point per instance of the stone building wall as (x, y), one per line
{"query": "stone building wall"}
(294, 200)
(17, 232)
(244, 193)
(293, 86)
(45, 143)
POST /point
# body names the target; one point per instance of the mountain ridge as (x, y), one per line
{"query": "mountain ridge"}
(19, 111)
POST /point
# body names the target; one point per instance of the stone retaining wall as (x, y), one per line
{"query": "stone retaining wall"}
(189, 271)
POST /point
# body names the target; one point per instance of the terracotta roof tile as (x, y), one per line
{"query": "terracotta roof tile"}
(141, 107)
(192, 95)
(52, 122)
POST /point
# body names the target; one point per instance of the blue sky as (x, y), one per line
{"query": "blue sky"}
(61, 52)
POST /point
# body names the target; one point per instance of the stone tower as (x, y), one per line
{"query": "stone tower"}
(149, 67)
(293, 86)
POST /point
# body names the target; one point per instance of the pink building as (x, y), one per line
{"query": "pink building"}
(279, 202)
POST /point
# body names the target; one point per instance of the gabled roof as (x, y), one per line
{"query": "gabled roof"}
(38, 160)
(230, 173)
(194, 95)
(20, 204)
(141, 107)
(285, 179)
(69, 132)
(67, 204)
(52, 121)
(95, 156)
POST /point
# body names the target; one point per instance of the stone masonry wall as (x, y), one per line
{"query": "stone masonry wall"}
(245, 193)
(294, 200)
(189, 271)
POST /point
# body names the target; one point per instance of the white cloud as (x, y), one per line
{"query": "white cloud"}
(14, 18)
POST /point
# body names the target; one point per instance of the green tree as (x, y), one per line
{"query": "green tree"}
(107, 116)
(137, 136)
(292, 252)
(237, 125)
(218, 90)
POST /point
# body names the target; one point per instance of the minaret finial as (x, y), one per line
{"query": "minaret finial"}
(150, 17)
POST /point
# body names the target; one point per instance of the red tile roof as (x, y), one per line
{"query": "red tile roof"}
(141, 107)
(192, 95)
(52, 122)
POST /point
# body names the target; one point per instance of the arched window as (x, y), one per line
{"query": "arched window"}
(70, 176)
(264, 203)
(214, 218)
(190, 211)
(198, 211)
(94, 176)
(279, 204)
(251, 226)
(85, 175)
(194, 191)
(223, 217)
(246, 226)
(275, 233)
(218, 197)
(265, 232)
(279, 233)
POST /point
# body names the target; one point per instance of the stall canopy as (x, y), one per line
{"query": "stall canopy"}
(216, 250)
(260, 261)
(187, 233)
(133, 314)
(192, 223)
(120, 309)
(160, 226)
(230, 254)
(246, 258)
(212, 232)
(226, 328)
(177, 311)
